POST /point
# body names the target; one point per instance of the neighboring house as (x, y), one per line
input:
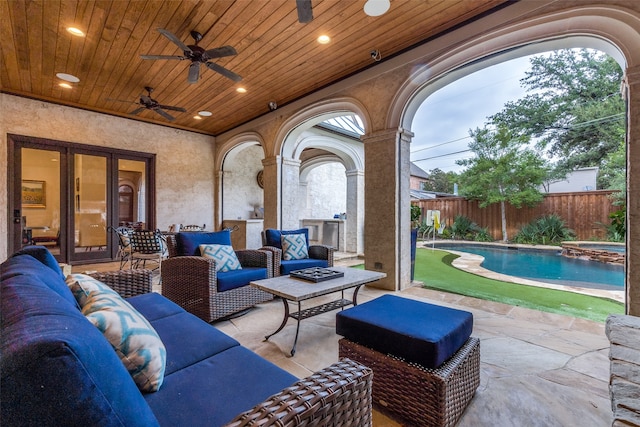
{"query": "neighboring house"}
(583, 179)
(418, 177)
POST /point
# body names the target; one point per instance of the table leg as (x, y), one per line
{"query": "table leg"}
(295, 341)
(284, 321)
(355, 295)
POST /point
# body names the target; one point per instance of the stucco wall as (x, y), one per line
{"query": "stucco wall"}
(241, 192)
(184, 160)
(326, 192)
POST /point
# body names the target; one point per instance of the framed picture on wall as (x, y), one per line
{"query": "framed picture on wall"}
(33, 194)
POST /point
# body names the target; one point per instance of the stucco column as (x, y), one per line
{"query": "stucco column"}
(355, 211)
(633, 191)
(218, 197)
(303, 202)
(387, 222)
(290, 180)
(271, 175)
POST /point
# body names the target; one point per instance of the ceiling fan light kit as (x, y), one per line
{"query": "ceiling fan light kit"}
(148, 103)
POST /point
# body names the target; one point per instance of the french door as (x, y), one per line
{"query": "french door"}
(66, 196)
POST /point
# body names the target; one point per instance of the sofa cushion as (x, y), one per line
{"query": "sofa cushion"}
(273, 237)
(419, 332)
(133, 338)
(237, 278)
(57, 368)
(154, 306)
(294, 246)
(224, 256)
(220, 387)
(36, 270)
(43, 255)
(189, 340)
(188, 244)
(287, 267)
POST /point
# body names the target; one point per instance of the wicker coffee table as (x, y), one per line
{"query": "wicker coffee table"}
(292, 289)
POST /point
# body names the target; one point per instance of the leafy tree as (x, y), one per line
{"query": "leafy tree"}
(573, 109)
(503, 170)
(440, 181)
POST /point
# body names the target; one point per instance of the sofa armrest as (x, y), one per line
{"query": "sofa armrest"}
(339, 394)
(322, 252)
(276, 258)
(128, 283)
(256, 258)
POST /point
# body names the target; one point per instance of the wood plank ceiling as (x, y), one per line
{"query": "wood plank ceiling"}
(278, 57)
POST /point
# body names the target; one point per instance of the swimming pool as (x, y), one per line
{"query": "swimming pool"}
(545, 265)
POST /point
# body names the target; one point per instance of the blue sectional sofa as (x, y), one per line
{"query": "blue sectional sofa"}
(57, 368)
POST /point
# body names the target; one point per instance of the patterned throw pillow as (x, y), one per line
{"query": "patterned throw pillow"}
(133, 338)
(224, 256)
(294, 246)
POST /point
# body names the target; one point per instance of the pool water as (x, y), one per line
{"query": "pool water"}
(547, 266)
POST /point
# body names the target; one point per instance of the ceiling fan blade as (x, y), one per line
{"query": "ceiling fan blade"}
(162, 57)
(174, 39)
(305, 13)
(227, 73)
(164, 114)
(169, 107)
(137, 110)
(194, 73)
(219, 52)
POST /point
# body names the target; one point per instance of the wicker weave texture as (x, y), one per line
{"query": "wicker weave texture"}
(128, 283)
(339, 395)
(191, 282)
(416, 395)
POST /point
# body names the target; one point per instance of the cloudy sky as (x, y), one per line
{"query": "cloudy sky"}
(442, 123)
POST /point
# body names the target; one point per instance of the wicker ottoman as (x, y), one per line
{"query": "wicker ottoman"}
(436, 395)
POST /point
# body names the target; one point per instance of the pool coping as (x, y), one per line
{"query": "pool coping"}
(471, 264)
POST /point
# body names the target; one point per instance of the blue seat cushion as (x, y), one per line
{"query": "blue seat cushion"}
(221, 387)
(419, 332)
(273, 237)
(237, 278)
(188, 243)
(287, 267)
(154, 306)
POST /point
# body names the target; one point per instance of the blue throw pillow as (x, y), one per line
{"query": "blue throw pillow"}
(274, 237)
(189, 243)
(224, 256)
(294, 246)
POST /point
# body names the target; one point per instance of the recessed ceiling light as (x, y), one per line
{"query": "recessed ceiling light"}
(75, 31)
(67, 77)
(241, 90)
(324, 39)
(376, 7)
(205, 113)
(65, 85)
(197, 117)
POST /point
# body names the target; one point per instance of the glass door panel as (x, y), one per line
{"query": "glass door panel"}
(90, 203)
(132, 190)
(41, 219)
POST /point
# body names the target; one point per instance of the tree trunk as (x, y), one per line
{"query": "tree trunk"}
(503, 213)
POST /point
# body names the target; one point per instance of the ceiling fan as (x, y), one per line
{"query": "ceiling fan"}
(305, 12)
(197, 56)
(148, 103)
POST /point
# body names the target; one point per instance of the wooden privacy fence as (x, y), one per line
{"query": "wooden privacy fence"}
(581, 211)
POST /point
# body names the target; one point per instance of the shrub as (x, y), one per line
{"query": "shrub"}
(545, 230)
(465, 229)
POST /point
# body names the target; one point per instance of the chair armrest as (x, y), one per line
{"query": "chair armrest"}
(128, 283)
(276, 256)
(339, 394)
(256, 258)
(322, 252)
(188, 277)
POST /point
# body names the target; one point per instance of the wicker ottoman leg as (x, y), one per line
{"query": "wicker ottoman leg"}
(420, 396)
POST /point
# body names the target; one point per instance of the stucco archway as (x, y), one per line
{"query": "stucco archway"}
(611, 29)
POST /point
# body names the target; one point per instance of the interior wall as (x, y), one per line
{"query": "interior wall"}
(184, 160)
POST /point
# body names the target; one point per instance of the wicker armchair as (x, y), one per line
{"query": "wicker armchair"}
(128, 283)
(192, 283)
(318, 254)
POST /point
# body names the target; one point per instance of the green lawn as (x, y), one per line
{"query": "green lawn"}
(434, 269)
